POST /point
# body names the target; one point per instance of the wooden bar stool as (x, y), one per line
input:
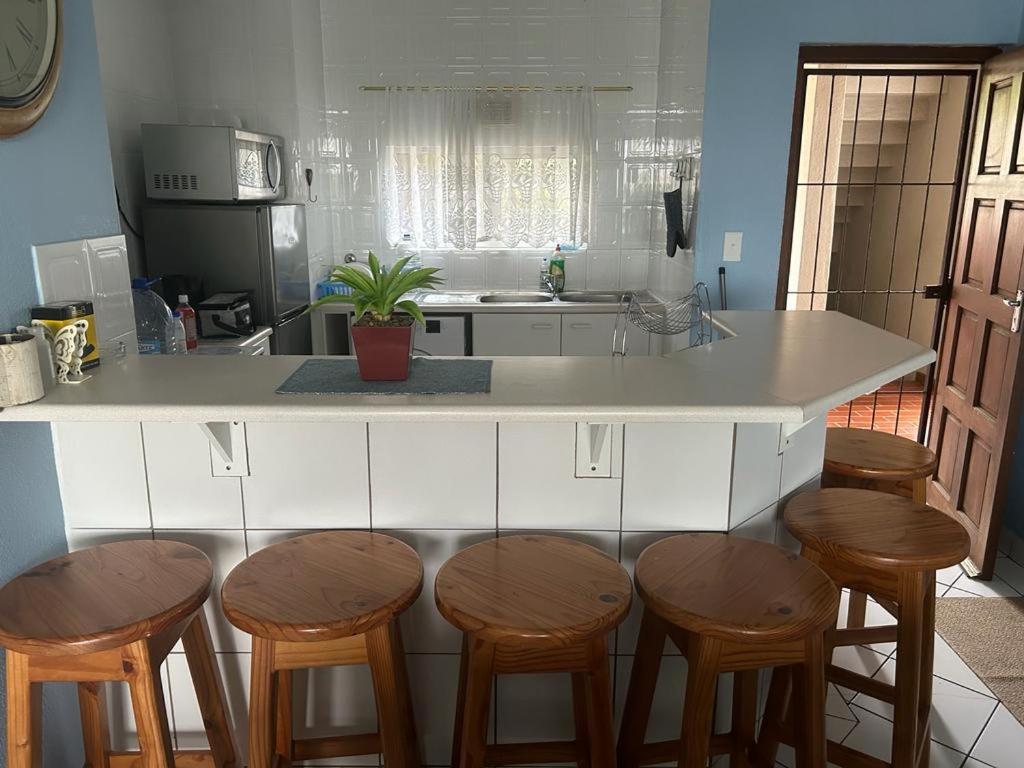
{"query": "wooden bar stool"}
(876, 461)
(112, 613)
(533, 604)
(888, 547)
(324, 600)
(729, 605)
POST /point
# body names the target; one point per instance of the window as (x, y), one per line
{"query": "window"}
(466, 169)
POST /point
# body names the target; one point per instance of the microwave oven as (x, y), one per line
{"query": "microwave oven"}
(211, 164)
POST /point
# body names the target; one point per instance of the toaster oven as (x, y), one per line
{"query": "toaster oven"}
(211, 164)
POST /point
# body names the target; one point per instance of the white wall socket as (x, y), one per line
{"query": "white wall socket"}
(733, 247)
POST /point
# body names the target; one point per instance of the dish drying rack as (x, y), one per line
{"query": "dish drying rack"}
(689, 313)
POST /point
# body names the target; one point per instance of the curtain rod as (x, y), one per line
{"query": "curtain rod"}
(495, 88)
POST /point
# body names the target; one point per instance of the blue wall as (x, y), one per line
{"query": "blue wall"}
(55, 184)
(748, 108)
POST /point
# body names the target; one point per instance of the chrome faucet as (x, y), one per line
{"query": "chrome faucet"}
(547, 283)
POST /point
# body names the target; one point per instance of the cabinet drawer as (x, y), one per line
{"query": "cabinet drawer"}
(516, 334)
(591, 335)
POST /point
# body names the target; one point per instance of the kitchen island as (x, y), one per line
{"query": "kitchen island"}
(615, 451)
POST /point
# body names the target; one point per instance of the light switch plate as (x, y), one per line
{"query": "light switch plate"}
(733, 247)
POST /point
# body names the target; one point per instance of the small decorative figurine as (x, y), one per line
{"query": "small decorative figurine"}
(68, 345)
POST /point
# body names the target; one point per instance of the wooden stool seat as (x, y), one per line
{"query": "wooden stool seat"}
(729, 605)
(103, 597)
(734, 589)
(112, 613)
(876, 529)
(872, 455)
(531, 604)
(322, 586)
(323, 600)
(888, 547)
(538, 589)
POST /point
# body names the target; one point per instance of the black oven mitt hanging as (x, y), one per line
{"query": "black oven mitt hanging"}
(676, 235)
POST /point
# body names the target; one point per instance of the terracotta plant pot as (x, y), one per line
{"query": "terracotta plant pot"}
(383, 354)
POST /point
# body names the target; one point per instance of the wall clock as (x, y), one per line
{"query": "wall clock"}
(30, 37)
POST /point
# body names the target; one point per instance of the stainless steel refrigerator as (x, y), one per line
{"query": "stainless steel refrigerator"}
(256, 248)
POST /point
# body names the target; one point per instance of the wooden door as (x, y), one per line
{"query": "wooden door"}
(979, 382)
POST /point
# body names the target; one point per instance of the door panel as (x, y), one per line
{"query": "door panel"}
(979, 390)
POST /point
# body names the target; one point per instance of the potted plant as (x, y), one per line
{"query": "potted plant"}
(382, 331)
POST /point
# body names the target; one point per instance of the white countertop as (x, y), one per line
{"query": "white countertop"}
(776, 367)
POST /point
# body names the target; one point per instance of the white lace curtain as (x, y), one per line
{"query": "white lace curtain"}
(466, 169)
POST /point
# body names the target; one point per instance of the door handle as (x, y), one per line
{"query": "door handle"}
(1016, 304)
(542, 326)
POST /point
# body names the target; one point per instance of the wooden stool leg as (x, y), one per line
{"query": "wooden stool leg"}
(24, 715)
(261, 704)
(284, 738)
(909, 642)
(744, 717)
(147, 693)
(920, 490)
(857, 613)
(640, 694)
(702, 657)
(924, 705)
(811, 739)
(476, 703)
(206, 678)
(777, 715)
(394, 703)
(600, 721)
(92, 704)
(460, 701)
(579, 709)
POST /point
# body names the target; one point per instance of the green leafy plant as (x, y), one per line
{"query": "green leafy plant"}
(379, 294)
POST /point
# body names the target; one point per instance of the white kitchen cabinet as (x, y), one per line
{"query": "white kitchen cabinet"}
(495, 335)
(433, 476)
(538, 487)
(592, 334)
(674, 477)
(183, 491)
(306, 476)
(102, 474)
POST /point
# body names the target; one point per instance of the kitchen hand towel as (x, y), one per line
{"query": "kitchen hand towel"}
(676, 236)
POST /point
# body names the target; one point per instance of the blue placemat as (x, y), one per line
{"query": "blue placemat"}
(426, 377)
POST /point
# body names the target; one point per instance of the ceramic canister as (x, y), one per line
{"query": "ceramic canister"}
(20, 381)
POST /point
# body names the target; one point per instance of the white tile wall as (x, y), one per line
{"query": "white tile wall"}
(295, 69)
(439, 502)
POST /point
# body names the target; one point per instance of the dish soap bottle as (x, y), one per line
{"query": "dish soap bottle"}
(558, 270)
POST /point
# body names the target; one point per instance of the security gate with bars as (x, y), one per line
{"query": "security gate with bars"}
(872, 211)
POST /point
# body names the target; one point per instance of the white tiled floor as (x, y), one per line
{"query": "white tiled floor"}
(970, 728)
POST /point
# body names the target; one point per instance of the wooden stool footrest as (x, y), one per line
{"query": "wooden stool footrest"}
(336, 746)
(656, 752)
(860, 683)
(847, 757)
(531, 752)
(837, 638)
(185, 759)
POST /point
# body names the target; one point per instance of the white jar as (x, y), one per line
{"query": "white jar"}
(20, 381)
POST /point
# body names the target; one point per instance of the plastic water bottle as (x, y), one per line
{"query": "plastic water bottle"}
(153, 321)
(408, 248)
(179, 340)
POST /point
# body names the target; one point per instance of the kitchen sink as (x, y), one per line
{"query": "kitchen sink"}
(594, 297)
(514, 298)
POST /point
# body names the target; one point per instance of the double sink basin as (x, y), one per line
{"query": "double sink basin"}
(573, 297)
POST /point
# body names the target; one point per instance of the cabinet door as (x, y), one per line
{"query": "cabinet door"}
(306, 476)
(182, 489)
(102, 473)
(516, 334)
